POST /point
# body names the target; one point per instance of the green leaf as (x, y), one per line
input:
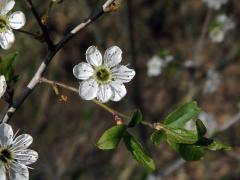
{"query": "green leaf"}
(137, 152)
(182, 115)
(191, 152)
(135, 119)
(216, 146)
(6, 66)
(201, 129)
(173, 145)
(181, 135)
(111, 137)
(157, 137)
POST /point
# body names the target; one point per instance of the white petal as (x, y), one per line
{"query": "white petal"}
(6, 39)
(3, 86)
(104, 93)
(6, 6)
(18, 172)
(6, 134)
(2, 172)
(17, 20)
(83, 71)
(22, 142)
(88, 89)
(26, 156)
(119, 90)
(93, 56)
(113, 56)
(123, 73)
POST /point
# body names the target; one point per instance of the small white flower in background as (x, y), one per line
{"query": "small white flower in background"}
(208, 120)
(153, 177)
(103, 78)
(222, 25)
(156, 64)
(190, 63)
(212, 83)
(215, 4)
(9, 21)
(3, 86)
(14, 155)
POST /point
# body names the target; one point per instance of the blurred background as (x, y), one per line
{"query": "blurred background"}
(172, 47)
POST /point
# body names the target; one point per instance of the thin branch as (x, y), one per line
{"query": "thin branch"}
(44, 28)
(50, 55)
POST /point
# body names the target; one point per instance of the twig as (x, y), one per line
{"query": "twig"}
(50, 54)
(41, 24)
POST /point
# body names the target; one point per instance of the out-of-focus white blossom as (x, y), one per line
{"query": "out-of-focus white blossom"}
(9, 21)
(103, 78)
(212, 83)
(222, 25)
(14, 155)
(153, 177)
(3, 85)
(208, 120)
(156, 64)
(190, 63)
(215, 4)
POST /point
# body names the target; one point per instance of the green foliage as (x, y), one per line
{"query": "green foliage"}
(182, 115)
(137, 152)
(6, 66)
(181, 136)
(136, 118)
(111, 137)
(190, 145)
(201, 129)
(158, 137)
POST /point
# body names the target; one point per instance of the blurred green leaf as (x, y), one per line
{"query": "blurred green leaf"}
(216, 146)
(6, 66)
(157, 137)
(111, 137)
(182, 115)
(201, 129)
(181, 136)
(135, 119)
(137, 152)
(191, 152)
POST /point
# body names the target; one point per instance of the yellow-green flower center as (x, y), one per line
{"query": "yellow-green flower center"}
(102, 75)
(3, 23)
(6, 156)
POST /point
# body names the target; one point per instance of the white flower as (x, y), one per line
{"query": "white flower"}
(8, 22)
(217, 35)
(3, 85)
(14, 155)
(223, 25)
(155, 65)
(212, 83)
(103, 78)
(215, 4)
(208, 120)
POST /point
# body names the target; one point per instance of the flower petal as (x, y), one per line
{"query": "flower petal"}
(6, 134)
(104, 93)
(26, 156)
(22, 142)
(3, 86)
(123, 73)
(113, 56)
(6, 39)
(18, 172)
(17, 20)
(2, 172)
(119, 90)
(83, 71)
(88, 89)
(93, 56)
(6, 6)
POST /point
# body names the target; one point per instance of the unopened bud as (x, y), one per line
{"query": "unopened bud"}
(112, 5)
